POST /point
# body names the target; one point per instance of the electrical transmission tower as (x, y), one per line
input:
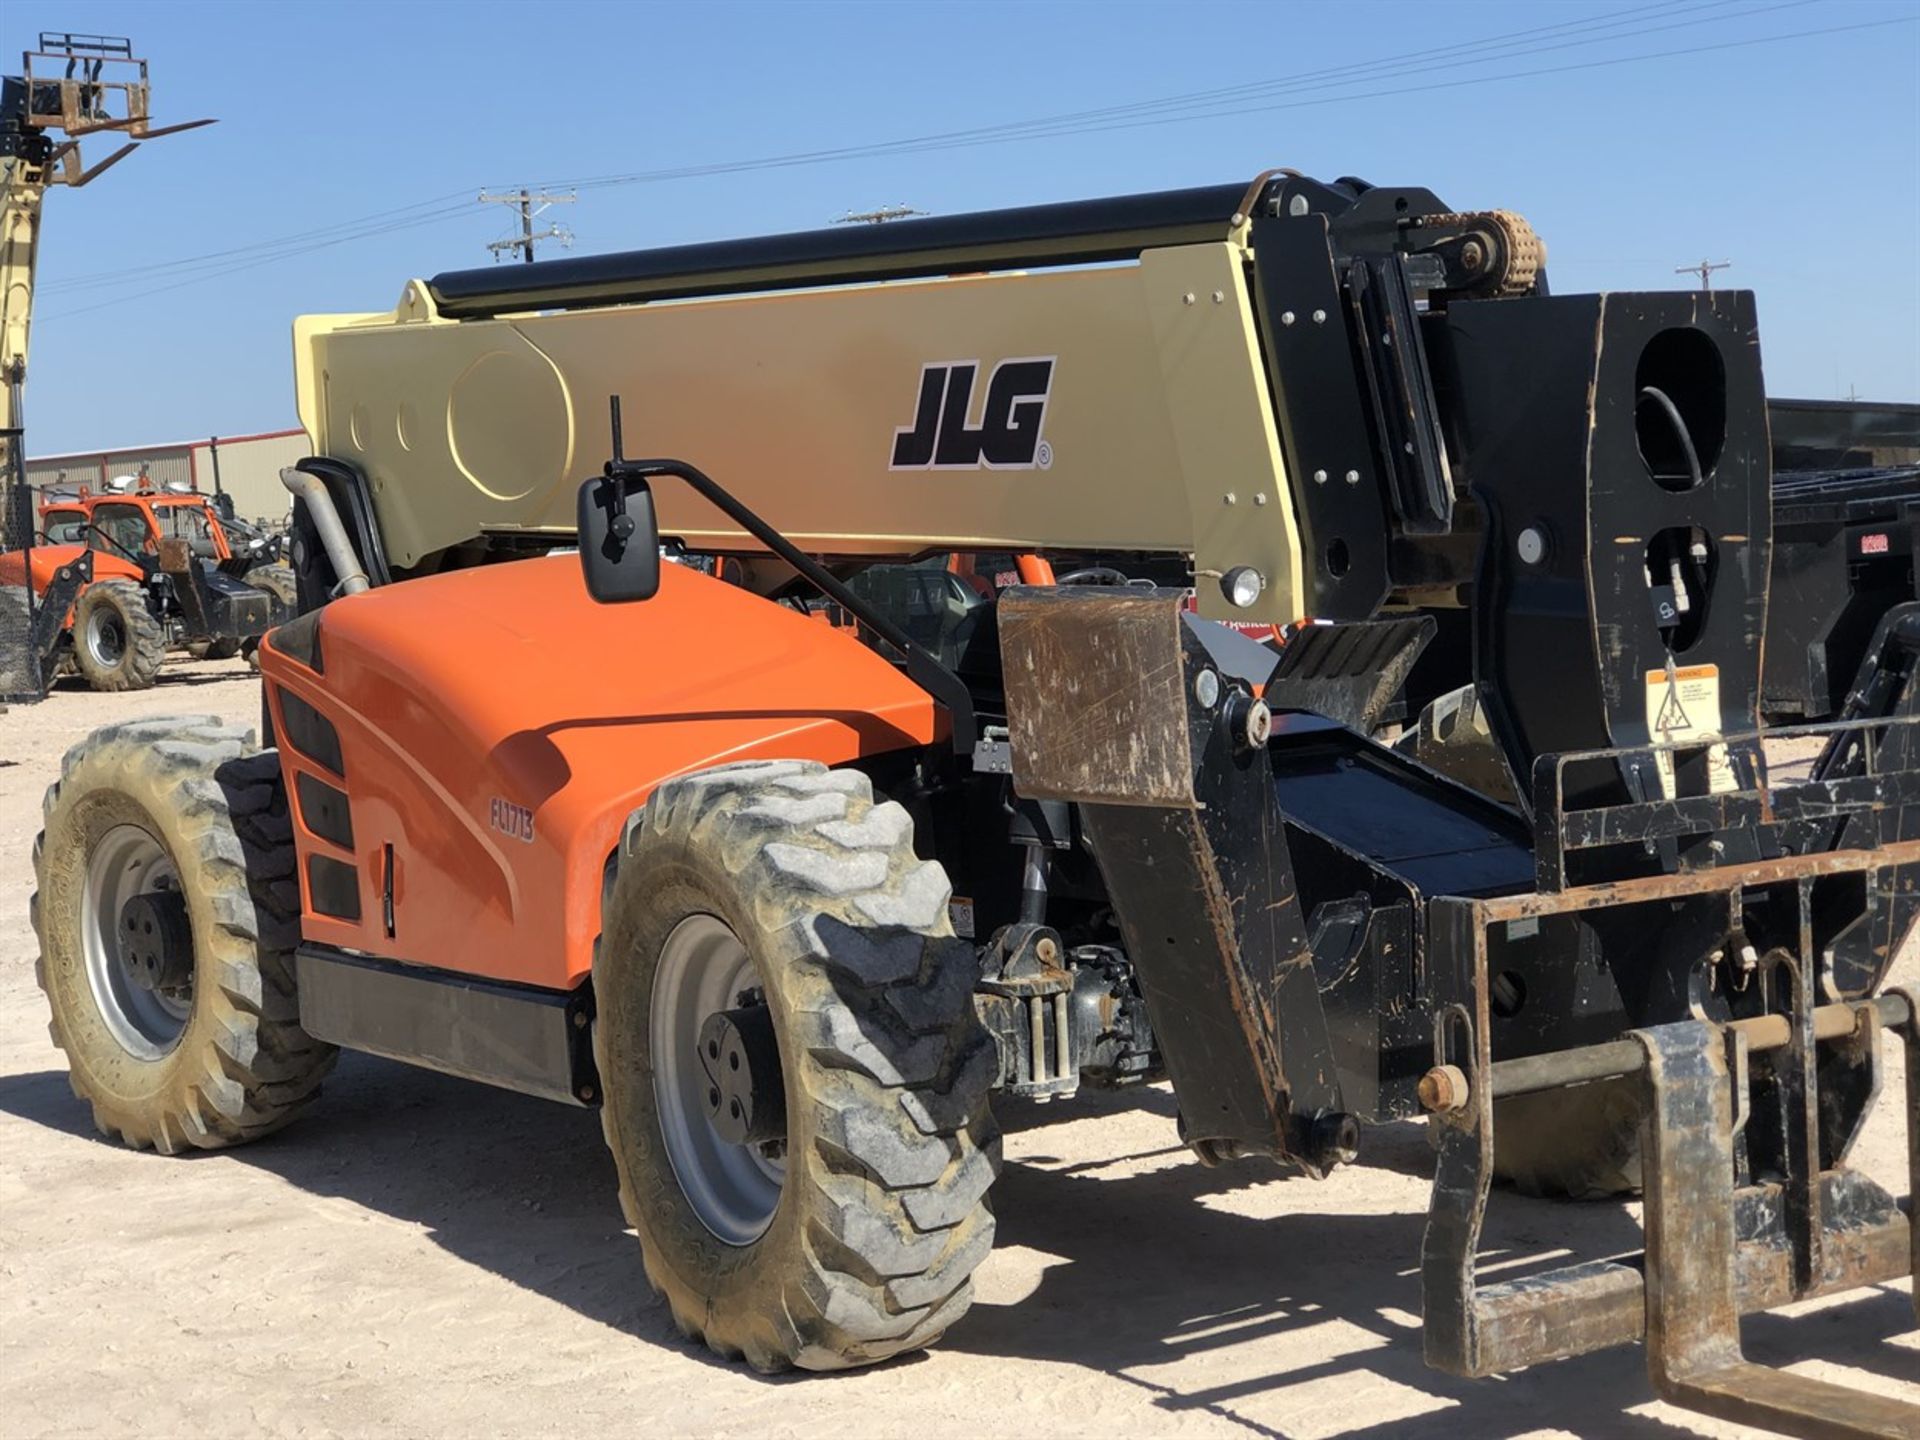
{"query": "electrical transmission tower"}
(1704, 270)
(530, 206)
(878, 217)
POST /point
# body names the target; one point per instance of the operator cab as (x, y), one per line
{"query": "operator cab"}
(65, 526)
(119, 527)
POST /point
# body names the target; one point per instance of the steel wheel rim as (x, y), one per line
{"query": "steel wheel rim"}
(106, 638)
(126, 862)
(733, 1189)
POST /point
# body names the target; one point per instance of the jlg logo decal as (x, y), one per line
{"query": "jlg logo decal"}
(1008, 435)
(511, 819)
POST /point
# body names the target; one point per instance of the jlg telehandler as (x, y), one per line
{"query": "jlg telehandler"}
(787, 841)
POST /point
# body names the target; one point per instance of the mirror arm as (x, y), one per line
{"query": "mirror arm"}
(623, 477)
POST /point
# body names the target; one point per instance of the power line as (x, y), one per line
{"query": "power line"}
(1611, 20)
(1231, 101)
(402, 217)
(1473, 52)
(1526, 74)
(1038, 129)
(245, 265)
(1459, 52)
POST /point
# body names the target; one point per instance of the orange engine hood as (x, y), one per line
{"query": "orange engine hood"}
(497, 726)
(46, 559)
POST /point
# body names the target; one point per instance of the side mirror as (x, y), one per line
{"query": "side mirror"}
(619, 540)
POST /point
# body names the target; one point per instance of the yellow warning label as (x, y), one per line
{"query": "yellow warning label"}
(1683, 708)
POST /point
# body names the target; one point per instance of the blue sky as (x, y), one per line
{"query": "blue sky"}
(1799, 161)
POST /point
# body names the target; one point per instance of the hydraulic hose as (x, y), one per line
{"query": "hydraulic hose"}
(1678, 422)
(333, 535)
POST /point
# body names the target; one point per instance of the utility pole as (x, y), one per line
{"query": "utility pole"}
(878, 217)
(1704, 270)
(530, 205)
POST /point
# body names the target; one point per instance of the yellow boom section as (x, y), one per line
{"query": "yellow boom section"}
(1156, 429)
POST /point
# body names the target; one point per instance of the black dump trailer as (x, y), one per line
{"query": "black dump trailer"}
(1846, 514)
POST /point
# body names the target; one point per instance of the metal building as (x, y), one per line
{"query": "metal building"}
(246, 467)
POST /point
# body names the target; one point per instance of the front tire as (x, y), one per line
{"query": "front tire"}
(117, 644)
(19, 668)
(167, 911)
(785, 878)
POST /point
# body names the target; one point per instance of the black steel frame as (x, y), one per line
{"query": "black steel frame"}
(1714, 1250)
(1769, 813)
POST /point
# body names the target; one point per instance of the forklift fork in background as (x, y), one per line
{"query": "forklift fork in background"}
(1713, 1251)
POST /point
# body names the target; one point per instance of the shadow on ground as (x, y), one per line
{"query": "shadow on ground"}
(1153, 1286)
(169, 678)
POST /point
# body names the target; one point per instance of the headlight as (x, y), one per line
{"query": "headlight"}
(1243, 585)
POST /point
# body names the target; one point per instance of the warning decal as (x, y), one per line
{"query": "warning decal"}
(1683, 707)
(1672, 716)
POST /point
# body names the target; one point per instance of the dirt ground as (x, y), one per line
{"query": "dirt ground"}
(420, 1256)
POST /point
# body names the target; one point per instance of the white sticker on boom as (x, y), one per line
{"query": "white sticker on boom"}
(1683, 708)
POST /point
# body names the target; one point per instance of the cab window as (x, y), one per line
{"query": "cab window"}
(936, 607)
(182, 522)
(123, 527)
(65, 527)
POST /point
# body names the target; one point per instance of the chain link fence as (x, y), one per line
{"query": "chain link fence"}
(20, 676)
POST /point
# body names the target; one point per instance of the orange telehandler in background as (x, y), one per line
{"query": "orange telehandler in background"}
(150, 569)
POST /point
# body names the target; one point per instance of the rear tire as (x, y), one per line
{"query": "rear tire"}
(186, 806)
(280, 580)
(1578, 1143)
(874, 1228)
(117, 643)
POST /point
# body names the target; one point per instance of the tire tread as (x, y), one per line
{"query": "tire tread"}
(254, 1068)
(892, 1059)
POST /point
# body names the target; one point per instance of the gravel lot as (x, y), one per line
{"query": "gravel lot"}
(423, 1257)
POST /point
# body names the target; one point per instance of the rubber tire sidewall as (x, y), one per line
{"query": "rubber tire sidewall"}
(279, 581)
(14, 613)
(137, 668)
